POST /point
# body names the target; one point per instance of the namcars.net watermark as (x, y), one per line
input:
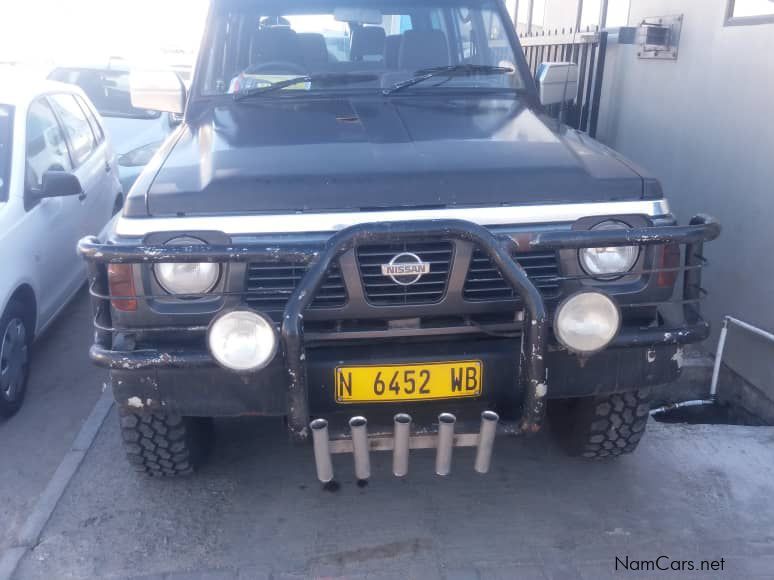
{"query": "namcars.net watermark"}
(667, 564)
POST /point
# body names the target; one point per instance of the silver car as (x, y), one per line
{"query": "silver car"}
(58, 182)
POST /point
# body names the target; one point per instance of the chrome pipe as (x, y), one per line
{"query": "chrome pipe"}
(682, 405)
(718, 359)
(443, 452)
(322, 451)
(713, 398)
(359, 428)
(486, 437)
(400, 450)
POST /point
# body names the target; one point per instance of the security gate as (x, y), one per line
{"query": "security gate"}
(587, 49)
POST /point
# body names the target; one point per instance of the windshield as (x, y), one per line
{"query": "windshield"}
(362, 44)
(107, 89)
(6, 135)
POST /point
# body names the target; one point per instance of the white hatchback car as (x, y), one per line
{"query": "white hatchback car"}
(58, 183)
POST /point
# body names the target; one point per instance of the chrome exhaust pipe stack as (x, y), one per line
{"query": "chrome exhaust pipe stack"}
(322, 451)
(443, 452)
(359, 428)
(486, 437)
(401, 442)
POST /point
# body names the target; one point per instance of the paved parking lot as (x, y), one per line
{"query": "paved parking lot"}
(690, 493)
(63, 388)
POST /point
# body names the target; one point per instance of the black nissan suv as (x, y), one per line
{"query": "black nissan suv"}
(366, 225)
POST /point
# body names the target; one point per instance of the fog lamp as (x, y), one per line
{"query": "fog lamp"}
(242, 340)
(587, 322)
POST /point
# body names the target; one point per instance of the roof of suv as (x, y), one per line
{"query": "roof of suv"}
(19, 88)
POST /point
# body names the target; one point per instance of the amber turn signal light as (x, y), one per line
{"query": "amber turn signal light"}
(670, 262)
(121, 283)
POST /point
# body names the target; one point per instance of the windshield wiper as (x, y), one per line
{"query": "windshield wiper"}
(458, 70)
(323, 79)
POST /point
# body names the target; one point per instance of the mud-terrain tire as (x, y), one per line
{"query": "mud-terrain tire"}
(600, 427)
(165, 445)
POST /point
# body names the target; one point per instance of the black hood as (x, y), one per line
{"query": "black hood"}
(277, 154)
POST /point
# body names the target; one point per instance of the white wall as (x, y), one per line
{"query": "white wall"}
(705, 126)
(560, 14)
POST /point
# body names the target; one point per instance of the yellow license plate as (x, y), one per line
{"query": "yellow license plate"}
(411, 382)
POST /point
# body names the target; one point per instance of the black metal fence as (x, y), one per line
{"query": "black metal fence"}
(586, 49)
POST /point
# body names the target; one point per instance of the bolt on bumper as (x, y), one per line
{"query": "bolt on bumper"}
(531, 353)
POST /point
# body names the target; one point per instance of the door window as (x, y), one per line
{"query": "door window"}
(77, 127)
(6, 138)
(96, 127)
(46, 145)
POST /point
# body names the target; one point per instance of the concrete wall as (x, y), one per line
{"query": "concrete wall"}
(705, 126)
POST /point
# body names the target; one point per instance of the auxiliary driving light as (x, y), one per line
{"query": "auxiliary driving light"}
(587, 322)
(609, 263)
(242, 340)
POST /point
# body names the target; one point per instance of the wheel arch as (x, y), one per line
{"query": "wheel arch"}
(25, 295)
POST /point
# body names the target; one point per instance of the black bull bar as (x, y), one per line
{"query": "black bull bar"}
(498, 250)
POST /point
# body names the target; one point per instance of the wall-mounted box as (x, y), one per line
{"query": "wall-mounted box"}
(557, 82)
(659, 37)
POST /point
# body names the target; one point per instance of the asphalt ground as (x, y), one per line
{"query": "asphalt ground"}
(62, 390)
(690, 494)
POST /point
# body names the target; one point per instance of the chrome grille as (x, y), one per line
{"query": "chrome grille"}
(486, 283)
(383, 291)
(269, 286)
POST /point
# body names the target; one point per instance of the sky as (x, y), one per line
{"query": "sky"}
(63, 31)
(84, 32)
(617, 11)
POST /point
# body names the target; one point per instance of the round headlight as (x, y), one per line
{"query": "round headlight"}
(187, 278)
(602, 262)
(242, 340)
(587, 322)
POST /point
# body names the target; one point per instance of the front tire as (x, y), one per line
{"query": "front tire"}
(15, 340)
(164, 445)
(601, 427)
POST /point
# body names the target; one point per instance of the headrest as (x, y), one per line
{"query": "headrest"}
(276, 44)
(367, 43)
(313, 48)
(422, 49)
(392, 50)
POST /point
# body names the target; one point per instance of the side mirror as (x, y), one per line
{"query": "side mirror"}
(557, 82)
(174, 119)
(59, 184)
(157, 91)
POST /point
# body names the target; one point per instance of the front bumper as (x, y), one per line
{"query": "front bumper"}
(191, 384)
(166, 374)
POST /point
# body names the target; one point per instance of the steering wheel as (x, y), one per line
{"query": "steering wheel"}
(276, 67)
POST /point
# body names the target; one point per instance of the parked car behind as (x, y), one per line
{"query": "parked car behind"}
(135, 133)
(58, 181)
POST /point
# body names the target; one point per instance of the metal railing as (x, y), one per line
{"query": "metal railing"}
(585, 48)
(713, 394)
